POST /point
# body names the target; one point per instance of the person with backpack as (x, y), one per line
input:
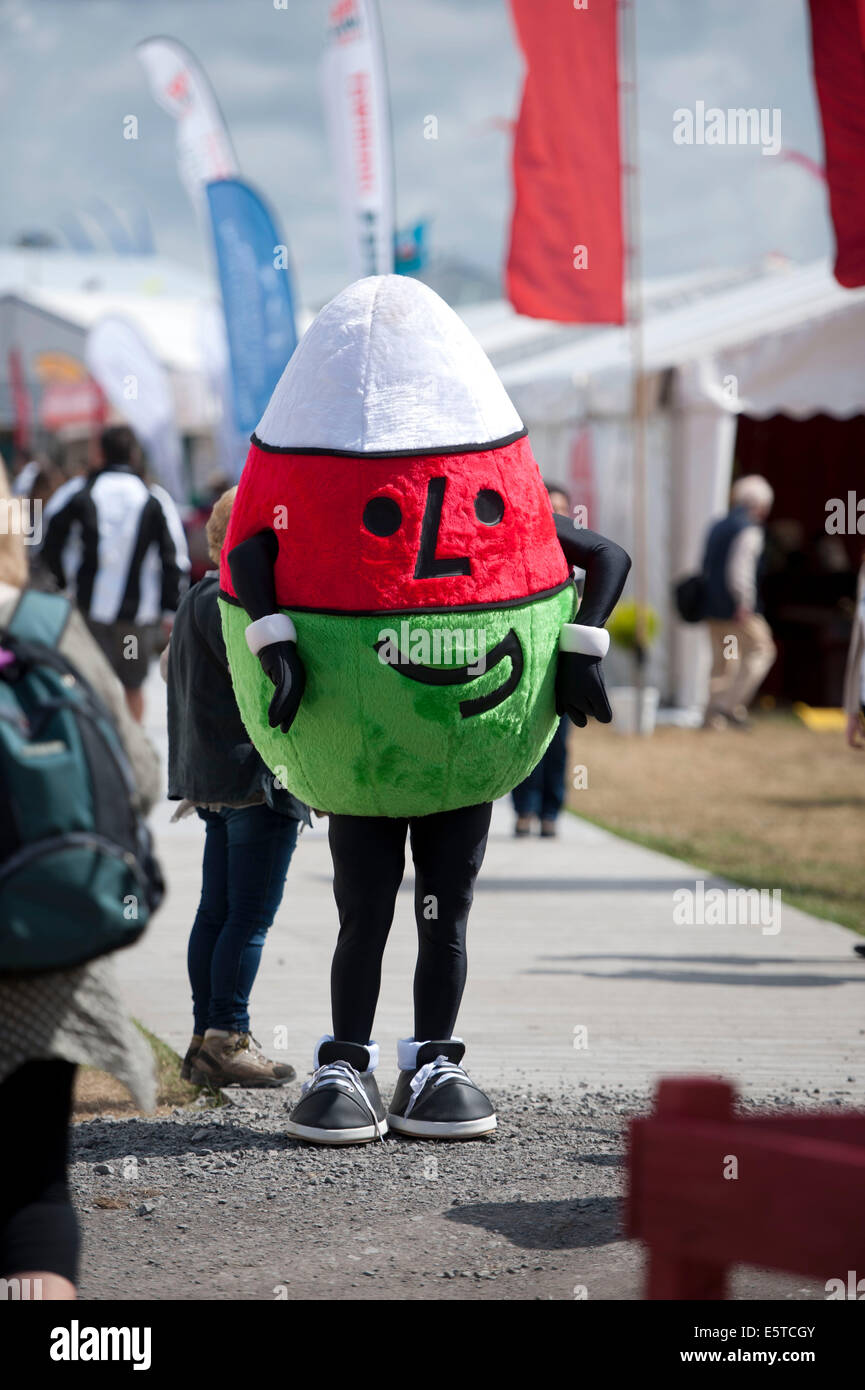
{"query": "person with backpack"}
(251, 829)
(76, 880)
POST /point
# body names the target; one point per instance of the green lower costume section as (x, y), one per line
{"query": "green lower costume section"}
(368, 741)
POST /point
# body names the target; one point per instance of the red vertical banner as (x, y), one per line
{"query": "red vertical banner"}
(566, 256)
(837, 28)
(21, 405)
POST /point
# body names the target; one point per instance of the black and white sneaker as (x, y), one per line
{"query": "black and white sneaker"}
(434, 1097)
(340, 1104)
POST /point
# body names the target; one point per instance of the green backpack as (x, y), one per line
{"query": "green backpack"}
(77, 874)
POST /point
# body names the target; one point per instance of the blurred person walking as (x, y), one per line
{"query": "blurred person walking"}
(743, 651)
(542, 794)
(251, 829)
(119, 547)
(54, 1020)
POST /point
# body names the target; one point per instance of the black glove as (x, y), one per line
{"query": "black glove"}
(282, 665)
(580, 689)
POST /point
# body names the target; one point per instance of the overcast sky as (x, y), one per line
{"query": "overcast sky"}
(68, 76)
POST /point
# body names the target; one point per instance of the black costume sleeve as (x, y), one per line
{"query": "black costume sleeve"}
(251, 566)
(606, 565)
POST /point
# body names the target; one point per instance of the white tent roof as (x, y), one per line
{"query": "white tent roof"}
(793, 339)
(171, 325)
(24, 268)
(507, 336)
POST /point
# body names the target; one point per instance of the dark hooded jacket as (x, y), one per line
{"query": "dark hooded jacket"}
(211, 759)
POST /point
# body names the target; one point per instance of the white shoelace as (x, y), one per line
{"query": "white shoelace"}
(439, 1071)
(335, 1073)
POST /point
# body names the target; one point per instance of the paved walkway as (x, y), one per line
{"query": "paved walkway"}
(573, 934)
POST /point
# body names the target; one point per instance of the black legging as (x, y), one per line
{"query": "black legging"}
(38, 1227)
(368, 864)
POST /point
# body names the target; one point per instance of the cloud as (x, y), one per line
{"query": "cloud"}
(68, 75)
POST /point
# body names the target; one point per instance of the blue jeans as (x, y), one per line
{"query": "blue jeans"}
(247, 852)
(543, 791)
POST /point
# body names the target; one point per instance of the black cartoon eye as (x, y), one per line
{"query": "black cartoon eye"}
(382, 516)
(489, 507)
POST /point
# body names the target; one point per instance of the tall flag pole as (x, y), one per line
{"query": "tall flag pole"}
(565, 259)
(354, 83)
(838, 55)
(180, 86)
(252, 260)
(257, 299)
(21, 402)
(568, 248)
(636, 320)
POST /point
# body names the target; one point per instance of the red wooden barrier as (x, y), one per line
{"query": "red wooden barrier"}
(709, 1189)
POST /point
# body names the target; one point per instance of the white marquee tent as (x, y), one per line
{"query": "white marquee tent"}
(790, 341)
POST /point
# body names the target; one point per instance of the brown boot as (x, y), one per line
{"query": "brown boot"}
(235, 1059)
(191, 1053)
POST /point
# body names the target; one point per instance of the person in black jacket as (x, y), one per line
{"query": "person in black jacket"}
(542, 794)
(117, 545)
(252, 824)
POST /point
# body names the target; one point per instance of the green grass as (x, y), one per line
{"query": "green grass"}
(732, 857)
(171, 1089)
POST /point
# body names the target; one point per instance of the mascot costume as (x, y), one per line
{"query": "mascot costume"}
(401, 621)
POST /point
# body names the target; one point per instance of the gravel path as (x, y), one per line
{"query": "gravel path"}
(572, 940)
(217, 1203)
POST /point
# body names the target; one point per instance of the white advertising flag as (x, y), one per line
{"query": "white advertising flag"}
(356, 104)
(136, 383)
(204, 149)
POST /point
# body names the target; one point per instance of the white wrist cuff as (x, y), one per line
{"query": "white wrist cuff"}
(587, 641)
(275, 627)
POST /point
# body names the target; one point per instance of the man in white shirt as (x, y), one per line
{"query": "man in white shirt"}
(743, 651)
(119, 548)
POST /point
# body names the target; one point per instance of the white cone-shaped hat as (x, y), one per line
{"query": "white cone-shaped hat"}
(387, 367)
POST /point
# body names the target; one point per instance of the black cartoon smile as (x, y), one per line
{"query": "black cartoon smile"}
(510, 645)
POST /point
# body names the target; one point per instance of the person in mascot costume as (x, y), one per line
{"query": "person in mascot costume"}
(402, 626)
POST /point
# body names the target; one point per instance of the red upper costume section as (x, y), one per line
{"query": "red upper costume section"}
(330, 560)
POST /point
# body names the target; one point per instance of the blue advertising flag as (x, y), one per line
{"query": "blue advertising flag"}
(257, 299)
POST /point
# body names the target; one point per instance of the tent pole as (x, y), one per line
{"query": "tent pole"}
(635, 321)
